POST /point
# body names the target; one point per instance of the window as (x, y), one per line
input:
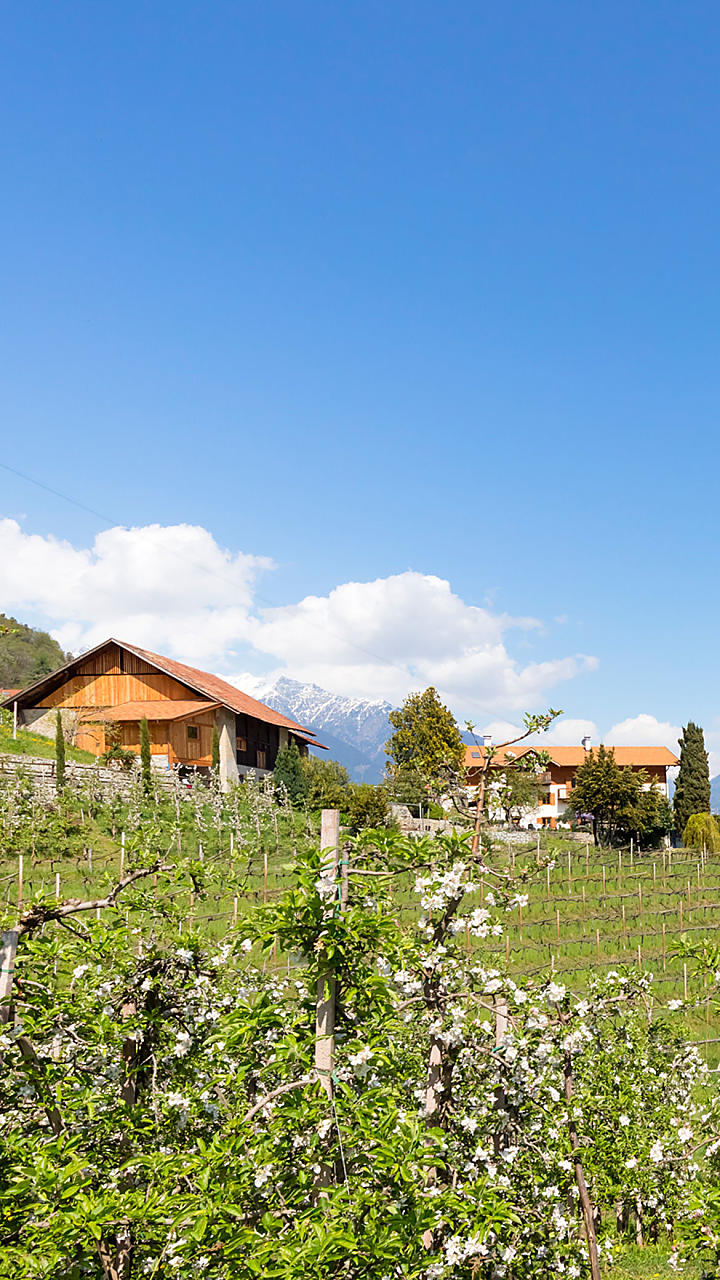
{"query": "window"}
(193, 733)
(261, 758)
(241, 743)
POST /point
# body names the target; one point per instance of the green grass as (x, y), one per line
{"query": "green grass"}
(648, 1263)
(35, 744)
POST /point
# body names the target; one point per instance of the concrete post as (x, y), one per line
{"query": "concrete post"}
(225, 721)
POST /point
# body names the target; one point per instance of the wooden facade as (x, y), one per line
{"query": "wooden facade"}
(103, 695)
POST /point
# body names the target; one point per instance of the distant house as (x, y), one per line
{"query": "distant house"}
(556, 780)
(105, 693)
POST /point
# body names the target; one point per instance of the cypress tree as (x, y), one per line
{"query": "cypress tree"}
(215, 748)
(692, 789)
(59, 752)
(145, 754)
(289, 772)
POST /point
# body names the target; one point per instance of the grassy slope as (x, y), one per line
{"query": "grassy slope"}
(35, 744)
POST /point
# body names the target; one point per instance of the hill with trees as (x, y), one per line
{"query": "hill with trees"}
(26, 654)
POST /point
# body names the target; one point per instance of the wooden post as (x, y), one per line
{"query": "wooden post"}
(547, 877)
(15, 718)
(597, 944)
(603, 879)
(325, 1002)
(681, 913)
(557, 922)
(685, 981)
(265, 873)
(8, 952)
(583, 907)
(57, 884)
(624, 928)
(587, 859)
(20, 879)
(507, 949)
(663, 945)
(569, 873)
(122, 852)
(235, 910)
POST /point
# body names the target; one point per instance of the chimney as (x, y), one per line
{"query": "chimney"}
(487, 739)
(586, 742)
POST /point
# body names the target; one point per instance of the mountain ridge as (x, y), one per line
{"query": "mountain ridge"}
(354, 729)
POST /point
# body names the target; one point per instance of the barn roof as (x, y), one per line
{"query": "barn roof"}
(203, 682)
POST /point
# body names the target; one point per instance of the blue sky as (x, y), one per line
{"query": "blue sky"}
(369, 288)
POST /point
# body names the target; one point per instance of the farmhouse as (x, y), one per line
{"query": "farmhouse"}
(556, 781)
(104, 694)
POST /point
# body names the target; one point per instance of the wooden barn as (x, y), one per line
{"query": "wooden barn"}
(105, 693)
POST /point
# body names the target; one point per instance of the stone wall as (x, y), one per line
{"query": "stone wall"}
(42, 774)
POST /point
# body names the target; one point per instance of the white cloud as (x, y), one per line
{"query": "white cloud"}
(644, 731)
(174, 589)
(168, 588)
(404, 632)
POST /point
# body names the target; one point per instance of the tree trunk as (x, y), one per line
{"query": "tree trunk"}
(116, 1256)
(585, 1201)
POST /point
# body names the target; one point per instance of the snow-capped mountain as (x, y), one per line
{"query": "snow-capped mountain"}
(354, 729)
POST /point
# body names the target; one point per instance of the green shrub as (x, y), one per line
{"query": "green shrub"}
(328, 783)
(702, 832)
(367, 806)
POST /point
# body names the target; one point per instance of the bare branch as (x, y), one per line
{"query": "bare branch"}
(276, 1093)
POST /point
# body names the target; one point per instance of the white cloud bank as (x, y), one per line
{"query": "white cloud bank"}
(173, 589)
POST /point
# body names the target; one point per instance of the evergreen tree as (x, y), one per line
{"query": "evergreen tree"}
(59, 752)
(215, 748)
(692, 789)
(145, 754)
(426, 736)
(289, 772)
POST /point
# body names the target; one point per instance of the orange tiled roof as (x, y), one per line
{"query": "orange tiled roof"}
(157, 709)
(640, 757)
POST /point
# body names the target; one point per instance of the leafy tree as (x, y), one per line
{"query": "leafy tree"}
(702, 832)
(215, 757)
(289, 773)
(145, 754)
(692, 789)
(514, 791)
(328, 783)
(59, 752)
(26, 654)
(608, 792)
(367, 806)
(426, 735)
